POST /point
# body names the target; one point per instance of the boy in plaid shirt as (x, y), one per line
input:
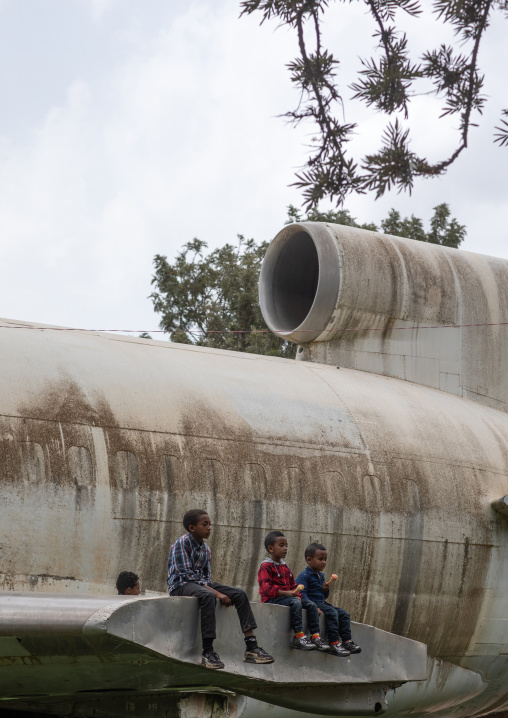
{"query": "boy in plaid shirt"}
(189, 574)
(277, 585)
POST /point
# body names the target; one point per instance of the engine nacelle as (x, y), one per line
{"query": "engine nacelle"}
(392, 306)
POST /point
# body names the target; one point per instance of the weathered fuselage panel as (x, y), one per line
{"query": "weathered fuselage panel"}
(106, 441)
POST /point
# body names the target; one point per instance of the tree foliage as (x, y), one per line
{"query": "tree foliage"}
(387, 82)
(212, 300)
(444, 229)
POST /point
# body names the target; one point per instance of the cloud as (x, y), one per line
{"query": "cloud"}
(179, 137)
(99, 7)
(168, 147)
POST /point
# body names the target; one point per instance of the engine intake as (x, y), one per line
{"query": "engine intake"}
(299, 282)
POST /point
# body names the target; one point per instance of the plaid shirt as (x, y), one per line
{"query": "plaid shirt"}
(273, 576)
(188, 562)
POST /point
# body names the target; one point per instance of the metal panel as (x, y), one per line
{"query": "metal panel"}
(155, 644)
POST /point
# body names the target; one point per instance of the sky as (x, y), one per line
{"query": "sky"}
(128, 127)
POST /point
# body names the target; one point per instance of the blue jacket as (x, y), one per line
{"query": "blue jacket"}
(312, 582)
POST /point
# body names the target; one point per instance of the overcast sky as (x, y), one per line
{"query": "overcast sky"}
(128, 127)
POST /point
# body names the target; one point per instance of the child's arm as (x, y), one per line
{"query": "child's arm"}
(301, 580)
(326, 585)
(289, 594)
(267, 587)
(181, 559)
(207, 573)
(225, 600)
(294, 589)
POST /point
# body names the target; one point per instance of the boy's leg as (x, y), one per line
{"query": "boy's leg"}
(344, 624)
(312, 616)
(332, 629)
(300, 640)
(240, 600)
(345, 631)
(331, 621)
(313, 622)
(206, 601)
(295, 611)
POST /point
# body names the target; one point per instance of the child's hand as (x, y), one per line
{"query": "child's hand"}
(225, 600)
(297, 590)
(320, 612)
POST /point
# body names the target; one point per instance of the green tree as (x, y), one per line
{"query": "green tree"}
(386, 83)
(333, 216)
(212, 300)
(443, 230)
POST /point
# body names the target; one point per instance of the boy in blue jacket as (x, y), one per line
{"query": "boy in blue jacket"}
(316, 589)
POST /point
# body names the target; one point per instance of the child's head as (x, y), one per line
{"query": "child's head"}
(277, 545)
(198, 524)
(127, 584)
(316, 555)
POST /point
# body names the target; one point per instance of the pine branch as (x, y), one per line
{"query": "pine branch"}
(386, 84)
(501, 137)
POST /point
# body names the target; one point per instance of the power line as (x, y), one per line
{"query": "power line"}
(251, 331)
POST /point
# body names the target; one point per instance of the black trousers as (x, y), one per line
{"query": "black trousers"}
(206, 601)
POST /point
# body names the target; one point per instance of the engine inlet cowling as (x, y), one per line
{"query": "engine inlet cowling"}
(389, 305)
(299, 282)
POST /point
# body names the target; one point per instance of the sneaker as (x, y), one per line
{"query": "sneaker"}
(211, 660)
(351, 646)
(338, 650)
(303, 644)
(257, 655)
(320, 644)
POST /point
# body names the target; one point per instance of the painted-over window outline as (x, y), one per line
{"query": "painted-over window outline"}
(33, 464)
(80, 465)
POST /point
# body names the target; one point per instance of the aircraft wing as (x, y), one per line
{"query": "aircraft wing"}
(91, 646)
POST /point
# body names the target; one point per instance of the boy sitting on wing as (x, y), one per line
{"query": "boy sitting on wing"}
(189, 574)
(316, 589)
(277, 585)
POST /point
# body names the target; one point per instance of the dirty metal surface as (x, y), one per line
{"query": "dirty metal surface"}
(106, 441)
(501, 505)
(321, 283)
(75, 644)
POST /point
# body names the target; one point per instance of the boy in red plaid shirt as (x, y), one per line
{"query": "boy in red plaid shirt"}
(277, 585)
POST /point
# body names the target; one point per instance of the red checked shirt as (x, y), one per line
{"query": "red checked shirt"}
(273, 576)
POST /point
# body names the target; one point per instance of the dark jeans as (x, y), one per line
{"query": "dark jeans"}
(206, 601)
(295, 612)
(337, 621)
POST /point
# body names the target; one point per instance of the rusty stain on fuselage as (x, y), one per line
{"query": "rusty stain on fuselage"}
(395, 524)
